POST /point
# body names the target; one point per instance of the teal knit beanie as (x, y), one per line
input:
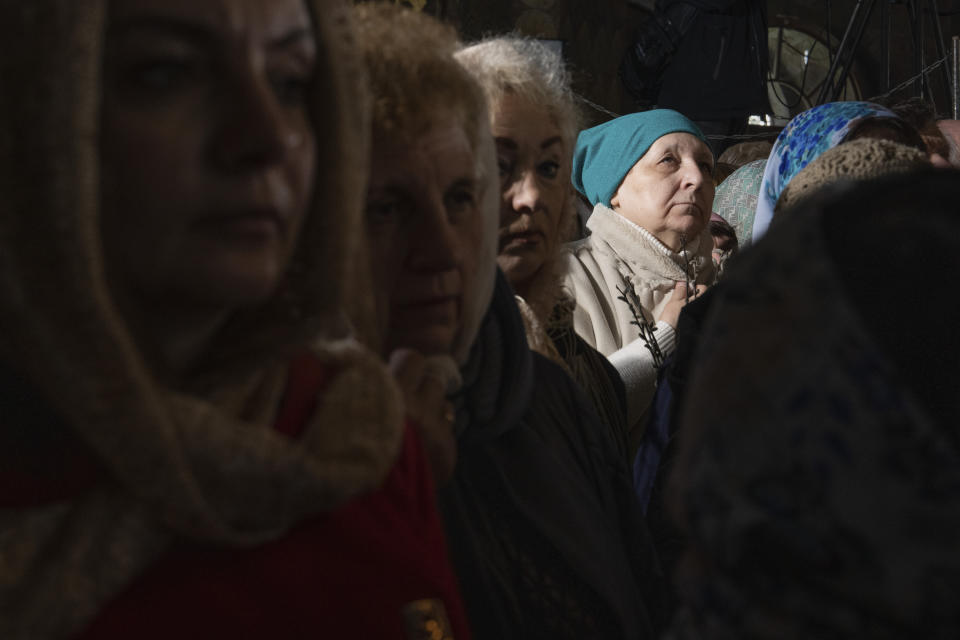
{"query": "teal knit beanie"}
(606, 153)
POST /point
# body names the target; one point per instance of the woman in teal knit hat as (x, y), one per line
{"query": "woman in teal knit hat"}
(649, 177)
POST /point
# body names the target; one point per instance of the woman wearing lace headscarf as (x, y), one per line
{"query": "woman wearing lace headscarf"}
(191, 446)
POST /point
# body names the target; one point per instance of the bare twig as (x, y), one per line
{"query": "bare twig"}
(646, 329)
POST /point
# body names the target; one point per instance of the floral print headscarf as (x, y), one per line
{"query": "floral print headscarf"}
(805, 137)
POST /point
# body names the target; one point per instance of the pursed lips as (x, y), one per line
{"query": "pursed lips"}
(422, 312)
(426, 301)
(255, 220)
(522, 239)
(695, 205)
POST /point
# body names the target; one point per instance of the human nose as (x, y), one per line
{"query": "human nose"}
(524, 193)
(694, 176)
(257, 130)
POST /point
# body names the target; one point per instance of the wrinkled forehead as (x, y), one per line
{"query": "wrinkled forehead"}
(681, 143)
(447, 130)
(255, 21)
(436, 152)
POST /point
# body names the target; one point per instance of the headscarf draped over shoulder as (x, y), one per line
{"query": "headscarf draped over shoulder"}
(194, 459)
(605, 153)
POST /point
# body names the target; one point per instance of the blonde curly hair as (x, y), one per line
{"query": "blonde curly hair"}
(412, 74)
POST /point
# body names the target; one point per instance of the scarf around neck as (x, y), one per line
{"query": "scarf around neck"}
(177, 463)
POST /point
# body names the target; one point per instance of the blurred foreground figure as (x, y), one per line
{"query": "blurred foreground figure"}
(190, 447)
(819, 486)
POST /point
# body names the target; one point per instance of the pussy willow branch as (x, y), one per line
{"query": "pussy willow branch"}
(646, 329)
(689, 270)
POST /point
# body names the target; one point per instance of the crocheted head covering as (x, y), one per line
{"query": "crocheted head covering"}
(736, 198)
(605, 154)
(820, 486)
(862, 159)
(803, 139)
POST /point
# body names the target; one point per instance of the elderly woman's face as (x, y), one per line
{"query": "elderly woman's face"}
(534, 169)
(669, 191)
(208, 153)
(425, 228)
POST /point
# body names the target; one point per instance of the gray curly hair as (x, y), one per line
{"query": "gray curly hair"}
(529, 70)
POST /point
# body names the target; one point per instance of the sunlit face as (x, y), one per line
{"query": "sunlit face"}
(425, 230)
(208, 153)
(534, 169)
(669, 191)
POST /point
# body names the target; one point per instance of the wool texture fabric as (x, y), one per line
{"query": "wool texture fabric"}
(605, 153)
(804, 138)
(864, 159)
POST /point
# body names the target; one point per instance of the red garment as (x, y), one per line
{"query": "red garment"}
(353, 573)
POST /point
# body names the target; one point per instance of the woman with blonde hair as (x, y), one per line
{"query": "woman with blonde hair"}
(545, 534)
(534, 119)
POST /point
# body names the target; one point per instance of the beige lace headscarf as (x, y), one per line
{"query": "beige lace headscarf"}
(183, 464)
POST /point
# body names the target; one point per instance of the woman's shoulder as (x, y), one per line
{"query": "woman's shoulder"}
(558, 406)
(588, 259)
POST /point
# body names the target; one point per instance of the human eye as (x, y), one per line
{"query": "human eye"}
(291, 89)
(549, 169)
(160, 74)
(668, 159)
(459, 200)
(385, 211)
(291, 84)
(706, 167)
(504, 166)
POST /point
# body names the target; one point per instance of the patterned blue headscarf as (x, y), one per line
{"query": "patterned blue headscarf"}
(807, 136)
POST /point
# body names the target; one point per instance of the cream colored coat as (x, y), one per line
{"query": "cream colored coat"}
(619, 253)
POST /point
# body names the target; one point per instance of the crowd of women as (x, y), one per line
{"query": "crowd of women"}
(318, 323)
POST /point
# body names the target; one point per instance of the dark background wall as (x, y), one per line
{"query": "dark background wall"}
(595, 33)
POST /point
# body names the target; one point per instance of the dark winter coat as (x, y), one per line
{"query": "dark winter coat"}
(544, 532)
(719, 69)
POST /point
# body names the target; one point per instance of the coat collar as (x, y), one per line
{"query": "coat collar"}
(641, 251)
